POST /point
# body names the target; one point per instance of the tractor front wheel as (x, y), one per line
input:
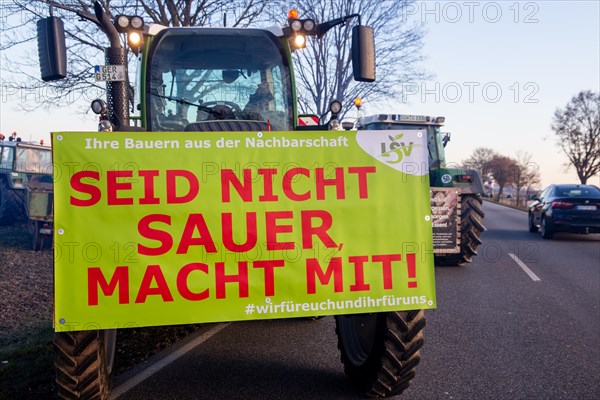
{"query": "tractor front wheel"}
(380, 352)
(83, 362)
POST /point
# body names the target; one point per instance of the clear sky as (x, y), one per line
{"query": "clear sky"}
(500, 70)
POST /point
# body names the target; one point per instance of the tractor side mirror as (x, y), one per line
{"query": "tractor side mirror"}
(52, 49)
(445, 138)
(363, 53)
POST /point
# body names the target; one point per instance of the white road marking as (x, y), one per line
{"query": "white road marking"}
(524, 267)
(148, 372)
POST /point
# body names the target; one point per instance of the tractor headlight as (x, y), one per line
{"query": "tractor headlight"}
(308, 25)
(298, 29)
(105, 126)
(299, 41)
(127, 23)
(334, 125)
(335, 107)
(137, 22)
(296, 25)
(99, 107)
(134, 39)
(122, 23)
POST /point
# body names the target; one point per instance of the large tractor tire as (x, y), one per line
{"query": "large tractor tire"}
(83, 362)
(471, 227)
(12, 203)
(380, 352)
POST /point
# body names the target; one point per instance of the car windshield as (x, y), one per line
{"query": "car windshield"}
(212, 74)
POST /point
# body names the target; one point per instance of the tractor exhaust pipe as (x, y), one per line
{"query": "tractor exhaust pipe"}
(117, 91)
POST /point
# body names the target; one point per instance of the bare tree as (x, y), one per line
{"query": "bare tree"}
(324, 67)
(479, 159)
(526, 174)
(577, 128)
(85, 42)
(502, 170)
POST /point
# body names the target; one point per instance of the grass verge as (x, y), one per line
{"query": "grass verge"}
(26, 364)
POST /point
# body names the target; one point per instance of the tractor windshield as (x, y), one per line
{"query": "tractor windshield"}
(434, 143)
(33, 160)
(199, 75)
(7, 155)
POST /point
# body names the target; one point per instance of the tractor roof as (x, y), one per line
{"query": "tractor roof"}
(154, 29)
(402, 119)
(32, 145)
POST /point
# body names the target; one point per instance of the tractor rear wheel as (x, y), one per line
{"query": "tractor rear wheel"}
(380, 352)
(83, 362)
(12, 203)
(471, 227)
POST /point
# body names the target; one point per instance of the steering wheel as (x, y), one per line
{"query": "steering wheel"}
(171, 123)
(223, 109)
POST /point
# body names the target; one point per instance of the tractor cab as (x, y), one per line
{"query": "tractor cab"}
(21, 162)
(221, 79)
(24, 167)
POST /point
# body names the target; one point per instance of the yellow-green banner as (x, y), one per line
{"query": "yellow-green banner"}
(156, 228)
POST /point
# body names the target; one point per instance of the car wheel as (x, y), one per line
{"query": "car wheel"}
(547, 231)
(532, 226)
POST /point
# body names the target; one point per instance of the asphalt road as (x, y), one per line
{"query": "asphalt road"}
(499, 333)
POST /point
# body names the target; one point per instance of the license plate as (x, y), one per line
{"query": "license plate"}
(45, 231)
(111, 73)
(587, 208)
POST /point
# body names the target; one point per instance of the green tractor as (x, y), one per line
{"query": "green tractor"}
(23, 165)
(454, 243)
(221, 79)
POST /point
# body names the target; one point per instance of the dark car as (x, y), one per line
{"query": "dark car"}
(566, 208)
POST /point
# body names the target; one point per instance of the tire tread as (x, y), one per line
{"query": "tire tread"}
(396, 354)
(80, 365)
(12, 203)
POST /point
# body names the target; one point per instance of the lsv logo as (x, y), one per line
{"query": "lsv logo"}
(394, 150)
(404, 151)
